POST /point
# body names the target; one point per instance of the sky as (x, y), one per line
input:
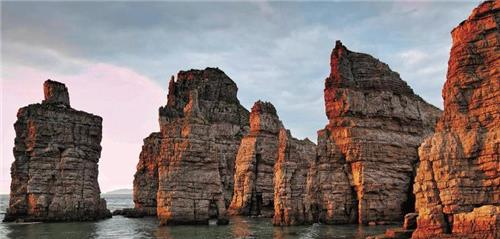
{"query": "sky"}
(117, 57)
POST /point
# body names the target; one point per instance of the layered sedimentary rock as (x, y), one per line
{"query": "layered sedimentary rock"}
(57, 150)
(191, 160)
(146, 176)
(457, 186)
(293, 202)
(368, 151)
(254, 167)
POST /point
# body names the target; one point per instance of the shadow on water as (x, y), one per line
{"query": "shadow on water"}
(121, 227)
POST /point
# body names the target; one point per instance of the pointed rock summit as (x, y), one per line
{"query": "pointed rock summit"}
(253, 178)
(185, 173)
(457, 186)
(368, 151)
(57, 150)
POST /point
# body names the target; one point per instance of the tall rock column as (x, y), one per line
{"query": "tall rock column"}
(368, 151)
(254, 169)
(187, 169)
(57, 149)
(457, 186)
(146, 176)
(293, 202)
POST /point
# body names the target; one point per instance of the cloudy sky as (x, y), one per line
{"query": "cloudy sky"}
(116, 59)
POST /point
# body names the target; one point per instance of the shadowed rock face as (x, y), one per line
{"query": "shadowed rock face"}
(146, 176)
(190, 161)
(258, 151)
(368, 151)
(54, 175)
(457, 186)
(293, 202)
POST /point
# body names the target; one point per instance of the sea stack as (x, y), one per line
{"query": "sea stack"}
(254, 167)
(368, 151)
(457, 186)
(57, 150)
(294, 203)
(186, 170)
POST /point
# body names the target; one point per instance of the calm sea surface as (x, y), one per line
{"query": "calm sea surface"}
(121, 227)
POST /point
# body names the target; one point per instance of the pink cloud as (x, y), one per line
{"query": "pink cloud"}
(127, 101)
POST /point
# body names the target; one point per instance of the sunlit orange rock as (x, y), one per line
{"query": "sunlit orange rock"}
(254, 166)
(293, 202)
(190, 162)
(457, 186)
(368, 151)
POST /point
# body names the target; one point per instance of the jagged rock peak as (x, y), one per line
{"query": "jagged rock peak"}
(55, 93)
(360, 70)
(216, 96)
(263, 117)
(264, 107)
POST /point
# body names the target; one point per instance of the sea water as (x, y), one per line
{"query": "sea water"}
(121, 227)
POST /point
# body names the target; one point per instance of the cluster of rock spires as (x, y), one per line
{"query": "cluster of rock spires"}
(385, 155)
(54, 175)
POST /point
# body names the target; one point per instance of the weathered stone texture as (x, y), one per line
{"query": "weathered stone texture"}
(146, 176)
(254, 169)
(458, 171)
(57, 149)
(193, 155)
(293, 203)
(367, 152)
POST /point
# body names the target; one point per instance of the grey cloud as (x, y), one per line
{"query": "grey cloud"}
(274, 51)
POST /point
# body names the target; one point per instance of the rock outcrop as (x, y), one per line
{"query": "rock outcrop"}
(57, 150)
(254, 167)
(457, 186)
(146, 176)
(191, 160)
(368, 151)
(293, 202)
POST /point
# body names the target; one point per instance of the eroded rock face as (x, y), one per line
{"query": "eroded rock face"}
(192, 158)
(293, 201)
(458, 174)
(368, 151)
(57, 150)
(254, 168)
(146, 176)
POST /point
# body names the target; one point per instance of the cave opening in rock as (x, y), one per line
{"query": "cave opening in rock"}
(213, 210)
(409, 205)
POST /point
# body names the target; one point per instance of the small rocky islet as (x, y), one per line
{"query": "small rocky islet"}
(385, 156)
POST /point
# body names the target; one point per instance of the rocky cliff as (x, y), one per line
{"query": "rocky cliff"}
(254, 168)
(368, 151)
(191, 160)
(457, 186)
(57, 150)
(293, 202)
